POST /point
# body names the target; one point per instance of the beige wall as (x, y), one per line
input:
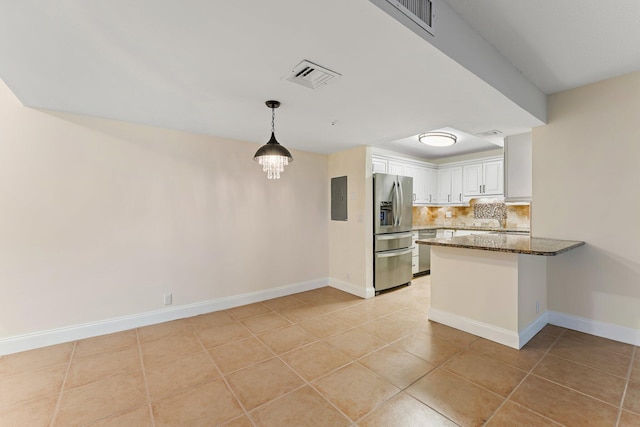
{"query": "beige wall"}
(98, 219)
(351, 241)
(586, 171)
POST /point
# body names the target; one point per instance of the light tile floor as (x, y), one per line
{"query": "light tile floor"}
(322, 358)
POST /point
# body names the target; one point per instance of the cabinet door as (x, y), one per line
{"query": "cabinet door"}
(412, 171)
(420, 185)
(444, 185)
(456, 184)
(395, 168)
(517, 168)
(493, 178)
(472, 179)
(432, 188)
(378, 165)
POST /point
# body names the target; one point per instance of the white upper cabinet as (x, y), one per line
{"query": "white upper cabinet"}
(444, 185)
(450, 185)
(483, 179)
(493, 174)
(431, 186)
(379, 165)
(396, 168)
(517, 168)
(414, 172)
(456, 184)
(424, 177)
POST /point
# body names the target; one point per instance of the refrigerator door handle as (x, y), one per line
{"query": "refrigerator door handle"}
(396, 200)
(401, 200)
(394, 253)
(393, 236)
(393, 202)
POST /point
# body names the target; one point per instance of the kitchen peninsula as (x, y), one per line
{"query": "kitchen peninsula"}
(492, 285)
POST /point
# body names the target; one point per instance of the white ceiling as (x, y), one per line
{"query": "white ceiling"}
(560, 44)
(208, 66)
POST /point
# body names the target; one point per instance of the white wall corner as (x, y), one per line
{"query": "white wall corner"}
(533, 328)
(367, 292)
(34, 340)
(595, 327)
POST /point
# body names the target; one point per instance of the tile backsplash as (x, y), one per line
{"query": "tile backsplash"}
(490, 211)
(479, 213)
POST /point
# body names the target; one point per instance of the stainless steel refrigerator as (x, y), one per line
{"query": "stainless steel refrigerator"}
(392, 219)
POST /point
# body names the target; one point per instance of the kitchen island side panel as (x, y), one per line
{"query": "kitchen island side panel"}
(480, 286)
(532, 289)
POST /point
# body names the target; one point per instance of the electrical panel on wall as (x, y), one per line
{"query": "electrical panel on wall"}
(339, 198)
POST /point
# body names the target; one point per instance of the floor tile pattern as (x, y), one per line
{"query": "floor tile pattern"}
(322, 358)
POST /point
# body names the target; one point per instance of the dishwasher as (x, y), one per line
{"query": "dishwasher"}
(424, 251)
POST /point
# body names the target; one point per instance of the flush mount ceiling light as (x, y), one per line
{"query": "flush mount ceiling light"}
(272, 156)
(438, 139)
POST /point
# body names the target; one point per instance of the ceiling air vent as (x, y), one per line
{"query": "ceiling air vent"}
(311, 75)
(419, 11)
(492, 132)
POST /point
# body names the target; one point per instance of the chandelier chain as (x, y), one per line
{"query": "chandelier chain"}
(273, 120)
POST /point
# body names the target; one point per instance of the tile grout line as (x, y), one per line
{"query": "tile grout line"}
(404, 390)
(529, 373)
(144, 378)
(64, 381)
(387, 345)
(317, 340)
(223, 377)
(305, 382)
(575, 362)
(436, 367)
(626, 385)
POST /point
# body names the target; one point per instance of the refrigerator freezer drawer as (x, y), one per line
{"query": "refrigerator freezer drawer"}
(392, 268)
(388, 242)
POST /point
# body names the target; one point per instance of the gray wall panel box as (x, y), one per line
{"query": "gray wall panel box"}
(339, 198)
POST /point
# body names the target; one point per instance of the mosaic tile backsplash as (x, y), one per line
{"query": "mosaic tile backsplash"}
(477, 214)
(490, 211)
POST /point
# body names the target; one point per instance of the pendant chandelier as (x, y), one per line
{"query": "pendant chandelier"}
(272, 156)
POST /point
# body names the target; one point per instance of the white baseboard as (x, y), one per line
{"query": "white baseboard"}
(481, 329)
(71, 333)
(595, 327)
(534, 327)
(368, 292)
(500, 335)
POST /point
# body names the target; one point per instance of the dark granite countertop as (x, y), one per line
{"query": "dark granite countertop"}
(469, 227)
(506, 242)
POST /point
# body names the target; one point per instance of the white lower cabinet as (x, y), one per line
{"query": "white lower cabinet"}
(442, 233)
(468, 232)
